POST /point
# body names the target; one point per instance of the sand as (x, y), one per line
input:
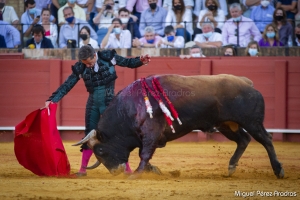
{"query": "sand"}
(190, 171)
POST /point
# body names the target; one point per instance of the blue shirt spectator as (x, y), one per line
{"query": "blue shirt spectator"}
(10, 34)
(154, 16)
(262, 14)
(40, 4)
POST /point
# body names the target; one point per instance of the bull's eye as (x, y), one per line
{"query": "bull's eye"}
(100, 151)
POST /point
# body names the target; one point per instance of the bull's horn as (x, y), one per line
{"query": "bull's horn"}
(94, 165)
(89, 136)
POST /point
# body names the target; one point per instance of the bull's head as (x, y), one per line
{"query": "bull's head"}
(108, 154)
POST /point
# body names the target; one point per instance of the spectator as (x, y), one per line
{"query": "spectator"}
(262, 14)
(229, 51)
(39, 41)
(149, 39)
(85, 36)
(249, 5)
(104, 19)
(89, 8)
(40, 4)
(170, 40)
(78, 12)
(168, 4)
(208, 38)
(8, 14)
(213, 14)
(10, 34)
(56, 5)
(31, 17)
(116, 6)
(128, 23)
(290, 7)
(153, 16)
(2, 42)
(196, 52)
(297, 34)
(118, 38)
(270, 37)
(252, 49)
(69, 31)
(49, 27)
(137, 7)
(177, 16)
(285, 29)
(239, 29)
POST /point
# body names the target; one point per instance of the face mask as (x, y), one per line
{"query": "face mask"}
(152, 6)
(170, 38)
(71, 1)
(265, 3)
(207, 35)
(237, 19)
(252, 52)
(211, 7)
(83, 36)
(177, 7)
(124, 20)
(117, 30)
(70, 19)
(32, 11)
(2, 5)
(196, 55)
(271, 34)
(279, 18)
(298, 36)
(150, 41)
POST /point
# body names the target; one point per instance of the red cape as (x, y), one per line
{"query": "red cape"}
(38, 146)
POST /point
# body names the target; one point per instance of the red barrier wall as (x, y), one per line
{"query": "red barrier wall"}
(26, 84)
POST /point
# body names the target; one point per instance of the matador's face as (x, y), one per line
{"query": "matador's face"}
(90, 62)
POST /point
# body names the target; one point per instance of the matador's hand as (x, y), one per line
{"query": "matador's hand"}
(145, 59)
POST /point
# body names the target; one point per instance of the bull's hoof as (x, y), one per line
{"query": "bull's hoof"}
(281, 174)
(231, 169)
(153, 169)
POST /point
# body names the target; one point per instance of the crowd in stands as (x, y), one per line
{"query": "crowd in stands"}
(152, 23)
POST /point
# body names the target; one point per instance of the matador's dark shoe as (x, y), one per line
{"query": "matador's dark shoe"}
(80, 174)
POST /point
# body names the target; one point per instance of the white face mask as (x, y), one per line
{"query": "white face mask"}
(124, 20)
(265, 3)
(196, 55)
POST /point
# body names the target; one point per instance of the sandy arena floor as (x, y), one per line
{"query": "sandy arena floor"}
(202, 170)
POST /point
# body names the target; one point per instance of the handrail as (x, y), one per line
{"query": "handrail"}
(82, 128)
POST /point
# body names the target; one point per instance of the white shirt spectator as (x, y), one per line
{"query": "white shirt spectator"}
(124, 42)
(187, 16)
(9, 14)
(105, 20)
(117, 6)
(92, 42)
(220, 18)
(178, 43)
(215, 37)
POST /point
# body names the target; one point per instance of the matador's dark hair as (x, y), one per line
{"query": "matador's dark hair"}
(85, 52)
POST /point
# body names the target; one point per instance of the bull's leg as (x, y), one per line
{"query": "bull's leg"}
(259, 133)
(235, 133)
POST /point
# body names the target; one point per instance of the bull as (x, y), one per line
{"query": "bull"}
(225, 102)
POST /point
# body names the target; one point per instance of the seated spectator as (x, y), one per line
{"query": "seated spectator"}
(104, 19)
(177, 16)
(238, 30)
(85, 36)
(49, 27)
(40, 4)
(290, 7)
(170, 40)
(8, 14)
(153, 16)
(208, 38)
(10, 34)
(129, 23)
(100, 3)
(262, 14)
(31, 17)
(2, 42)
(78, 12)
(285, 28)
(196, 52)
(252, 49)
(248, 6)
(297, 34)
(149, 39)
(229, 51)
(39, 40)
(168, 5)
(69, 31)
(270, 37)
(89, 7)
(137, 7)
(212, 13)
(116, 37)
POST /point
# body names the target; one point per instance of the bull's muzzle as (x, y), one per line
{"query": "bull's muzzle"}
(120, 169)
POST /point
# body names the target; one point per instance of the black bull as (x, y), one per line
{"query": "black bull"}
(227, 102)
